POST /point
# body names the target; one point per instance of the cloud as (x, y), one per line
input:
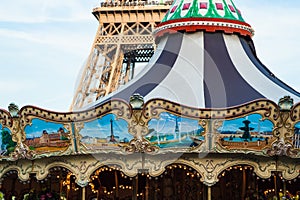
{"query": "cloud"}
(20, 35)
(35, 11)
(14, 86)
(276, 32)
(44, 43)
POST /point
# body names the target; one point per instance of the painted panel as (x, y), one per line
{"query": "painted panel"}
(105, 133)
(296, 138)
(250, 132)
(46, 137)
(7, 146)
(170, 131)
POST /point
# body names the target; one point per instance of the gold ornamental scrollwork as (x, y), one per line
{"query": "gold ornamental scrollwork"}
(295, 118)
(140, 146)
(6, 119)
(138, 127)
(13, 122)
(18, 136)
(267, 108)
(284, 129)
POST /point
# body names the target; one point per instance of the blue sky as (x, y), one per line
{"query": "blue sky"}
(167, 122)
(101, 128)
(38, 126)
(45, 43)
(257, 123)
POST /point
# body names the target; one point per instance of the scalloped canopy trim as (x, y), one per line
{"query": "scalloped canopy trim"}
(204, 24)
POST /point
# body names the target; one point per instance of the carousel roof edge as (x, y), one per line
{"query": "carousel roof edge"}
(155, 103)
(262, 127)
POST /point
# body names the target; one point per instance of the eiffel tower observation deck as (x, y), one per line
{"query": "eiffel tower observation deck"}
(123, 39)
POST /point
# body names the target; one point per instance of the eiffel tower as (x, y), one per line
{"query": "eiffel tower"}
(123, 39)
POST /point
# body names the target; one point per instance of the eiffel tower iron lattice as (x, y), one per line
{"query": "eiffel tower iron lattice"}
(124, 38)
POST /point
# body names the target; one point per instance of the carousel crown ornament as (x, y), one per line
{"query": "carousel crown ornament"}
(13, 110)
(136, 101)
(208, 15)
(286, 103)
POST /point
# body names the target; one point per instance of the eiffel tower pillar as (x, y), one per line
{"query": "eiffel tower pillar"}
(124, 37)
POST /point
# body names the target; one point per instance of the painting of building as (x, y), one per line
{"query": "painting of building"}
(44, 136)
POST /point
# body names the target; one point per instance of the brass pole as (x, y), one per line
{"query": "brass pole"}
(284, 188)
(147, 189)
(117, 185)
(208, 192)
(275, 184)
(244, 184)
(135, 188)
(83, 193)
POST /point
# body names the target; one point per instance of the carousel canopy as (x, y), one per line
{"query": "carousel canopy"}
(205, 58)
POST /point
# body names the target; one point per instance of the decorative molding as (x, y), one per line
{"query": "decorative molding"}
(208, 24)
(282, 148)
(140, 145)
(267, 108)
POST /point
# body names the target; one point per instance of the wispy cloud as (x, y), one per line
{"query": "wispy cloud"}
(44, 44)
(276, 31)
(35, 11)
(20, 35)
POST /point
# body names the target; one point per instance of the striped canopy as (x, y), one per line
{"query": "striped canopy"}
(205, 65)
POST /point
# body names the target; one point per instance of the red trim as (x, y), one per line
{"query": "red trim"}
(207, 28)
(203, 19)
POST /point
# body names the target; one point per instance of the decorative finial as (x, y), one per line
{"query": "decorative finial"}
(136, 101)
(285, 103)
(13, 110)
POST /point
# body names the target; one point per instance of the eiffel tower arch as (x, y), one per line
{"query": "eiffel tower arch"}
(123, 39)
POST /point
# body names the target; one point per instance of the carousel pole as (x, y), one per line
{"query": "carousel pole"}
(208, 192)
(284, 188)
(60, 187)
(244, 184)
(147, 189)
(117, 185)
(275, 184)
(83, 193)
(135, 187)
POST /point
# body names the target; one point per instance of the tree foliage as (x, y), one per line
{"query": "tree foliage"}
(7, 143)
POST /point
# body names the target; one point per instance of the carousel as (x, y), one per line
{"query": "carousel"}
(205, 119)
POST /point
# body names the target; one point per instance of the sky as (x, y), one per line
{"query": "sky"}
(166, 123)
(44, 44)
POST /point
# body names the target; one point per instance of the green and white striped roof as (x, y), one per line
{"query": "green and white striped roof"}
(203, 15)
(223, 9)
